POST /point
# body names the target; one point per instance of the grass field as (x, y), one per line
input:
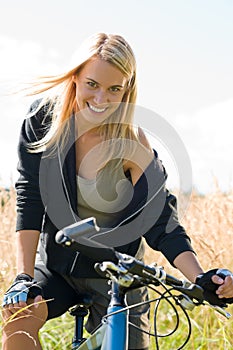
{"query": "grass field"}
(209, 222)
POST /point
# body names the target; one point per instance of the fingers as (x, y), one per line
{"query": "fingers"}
(21, 309)
(14, 305)
(226, 288)
(217, 280)
(16, 310)
(37, 300)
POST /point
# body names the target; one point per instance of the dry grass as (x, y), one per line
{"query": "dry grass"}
(7, 237)
(209, 222)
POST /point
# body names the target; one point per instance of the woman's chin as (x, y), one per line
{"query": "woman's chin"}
(94, 118)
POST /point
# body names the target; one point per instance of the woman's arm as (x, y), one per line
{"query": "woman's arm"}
(16, 297)
(188, 264)
(27, 241)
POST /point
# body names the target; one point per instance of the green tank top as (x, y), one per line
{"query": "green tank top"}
(104, 196)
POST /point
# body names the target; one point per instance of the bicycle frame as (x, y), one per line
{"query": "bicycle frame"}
(113, 333)
(126, 272)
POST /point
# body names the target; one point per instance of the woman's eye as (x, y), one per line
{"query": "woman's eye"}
(91, 84)
(115, 89)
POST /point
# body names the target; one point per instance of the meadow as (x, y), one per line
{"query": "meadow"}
(208, 221)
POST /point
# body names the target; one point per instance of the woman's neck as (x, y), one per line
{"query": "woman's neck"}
(82, 126)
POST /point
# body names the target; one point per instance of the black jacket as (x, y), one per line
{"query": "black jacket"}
(47, 201)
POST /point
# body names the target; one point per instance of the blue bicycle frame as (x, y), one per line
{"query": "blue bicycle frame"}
(116, 337)
(113, 333)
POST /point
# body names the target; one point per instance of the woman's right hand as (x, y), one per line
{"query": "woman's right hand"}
(15, 299)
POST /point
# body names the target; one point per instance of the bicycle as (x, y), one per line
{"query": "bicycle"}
(126, 273)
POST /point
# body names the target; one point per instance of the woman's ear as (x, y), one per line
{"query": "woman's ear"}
(74, 79)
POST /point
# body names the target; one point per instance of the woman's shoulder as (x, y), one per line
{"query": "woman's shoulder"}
(38, 119)
(141, 157)
(41, 109)
(143, 139)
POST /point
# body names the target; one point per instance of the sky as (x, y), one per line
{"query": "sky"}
(184, 52)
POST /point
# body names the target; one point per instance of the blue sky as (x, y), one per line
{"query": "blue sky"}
(184, 52)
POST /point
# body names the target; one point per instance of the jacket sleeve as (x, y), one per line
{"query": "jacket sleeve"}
(165, 233)
(30, 208)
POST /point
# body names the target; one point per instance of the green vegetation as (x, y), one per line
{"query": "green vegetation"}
(208, 221)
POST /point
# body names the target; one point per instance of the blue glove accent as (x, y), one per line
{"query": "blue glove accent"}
(23, 287)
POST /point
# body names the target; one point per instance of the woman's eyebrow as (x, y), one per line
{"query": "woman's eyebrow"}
(94, 81)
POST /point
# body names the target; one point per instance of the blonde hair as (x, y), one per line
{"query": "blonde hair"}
(111, 48)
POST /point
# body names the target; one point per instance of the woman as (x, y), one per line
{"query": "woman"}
(80, 156)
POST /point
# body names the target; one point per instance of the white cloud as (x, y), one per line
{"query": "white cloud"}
(24, 59)
(21, 61)
(207, 135)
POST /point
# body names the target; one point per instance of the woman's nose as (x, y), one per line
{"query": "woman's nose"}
(100, 97)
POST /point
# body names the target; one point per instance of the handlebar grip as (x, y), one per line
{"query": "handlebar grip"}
(78, 238)
(171, 280)
(84, 228)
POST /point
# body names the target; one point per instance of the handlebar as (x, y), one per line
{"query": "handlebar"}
(78, 238)
(126, 269)
(129, 269)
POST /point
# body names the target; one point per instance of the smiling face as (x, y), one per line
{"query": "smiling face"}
(100, 88)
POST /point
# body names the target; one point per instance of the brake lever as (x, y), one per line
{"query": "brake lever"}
(219, 309)
(192, 291)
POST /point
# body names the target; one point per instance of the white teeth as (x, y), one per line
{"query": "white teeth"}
(95, 109)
